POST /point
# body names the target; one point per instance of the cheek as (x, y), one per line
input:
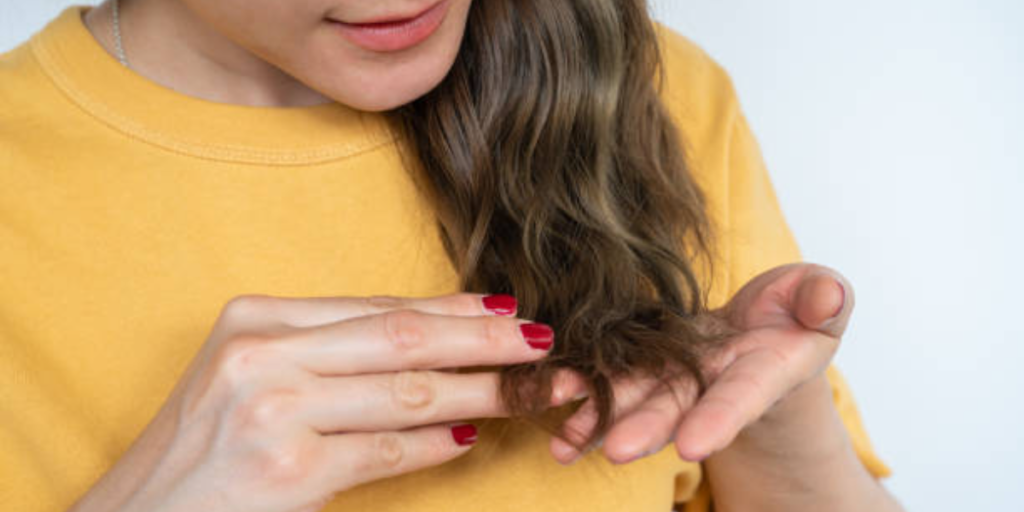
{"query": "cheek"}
(257, 25)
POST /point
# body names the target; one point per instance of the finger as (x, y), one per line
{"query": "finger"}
(629, 393)
(312, 311)
(567, 386)
(764, 299)
(358, 458)
(395, 401)
(742, 394)
(576, 430)
(649, 427)
(824, 301)
(408, 339)
(798, 292)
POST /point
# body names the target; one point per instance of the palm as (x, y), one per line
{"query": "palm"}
(781, 337)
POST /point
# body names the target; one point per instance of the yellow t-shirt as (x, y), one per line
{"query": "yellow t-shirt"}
(130, 213)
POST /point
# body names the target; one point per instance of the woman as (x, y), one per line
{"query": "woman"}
(406, 222)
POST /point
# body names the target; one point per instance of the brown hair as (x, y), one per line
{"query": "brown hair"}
(558, 177)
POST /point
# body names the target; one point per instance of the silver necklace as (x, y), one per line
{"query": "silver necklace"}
(117, 36)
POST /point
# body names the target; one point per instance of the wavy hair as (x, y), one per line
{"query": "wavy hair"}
(557, 176)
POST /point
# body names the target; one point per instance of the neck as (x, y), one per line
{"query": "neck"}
(168, 44)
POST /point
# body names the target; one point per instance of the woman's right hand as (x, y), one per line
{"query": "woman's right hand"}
(292, 400)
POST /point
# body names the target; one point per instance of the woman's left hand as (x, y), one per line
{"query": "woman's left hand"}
(785, 327)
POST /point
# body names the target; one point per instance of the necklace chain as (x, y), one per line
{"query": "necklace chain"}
(117, 35)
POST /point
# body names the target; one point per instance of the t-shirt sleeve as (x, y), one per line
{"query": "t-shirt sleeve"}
(756, 237)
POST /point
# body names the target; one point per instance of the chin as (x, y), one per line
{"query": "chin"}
(387, 84)
(369, 94)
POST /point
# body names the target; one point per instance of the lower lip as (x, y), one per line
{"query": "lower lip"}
(395, 36)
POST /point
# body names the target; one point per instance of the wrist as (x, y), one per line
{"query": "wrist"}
(798, 456)
(803, 427)
(807, 399)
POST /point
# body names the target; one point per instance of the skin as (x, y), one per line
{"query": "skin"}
(293, 400)
(278, 53)
(767, 430)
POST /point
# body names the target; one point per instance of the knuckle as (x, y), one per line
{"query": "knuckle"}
(244, 356)
(413, 391)
(242, 307)
(751, 385)
(387, 450)
(464, 304)
(375, 304)
(578, 428)
(723, 412)
(498, 331)
(404, 329)
(435, 448)
(781, 358)
(282, 465)
(759, 397)
(263, 409)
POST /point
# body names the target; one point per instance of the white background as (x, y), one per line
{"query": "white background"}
(893, 130)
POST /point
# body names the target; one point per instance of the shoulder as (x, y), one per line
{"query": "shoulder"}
(24, 89)
(700, 98)
(33, 112)
(684, 59)
(696, 88)
(17, 70)
(725, 159)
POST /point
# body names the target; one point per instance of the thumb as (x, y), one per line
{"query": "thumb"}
(824, 301)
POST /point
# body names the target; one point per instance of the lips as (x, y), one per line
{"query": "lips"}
(394, 33)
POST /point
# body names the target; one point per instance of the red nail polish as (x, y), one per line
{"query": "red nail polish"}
(538, 336)
(500, 304)
(464, 434)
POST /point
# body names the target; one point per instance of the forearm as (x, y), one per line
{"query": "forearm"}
(796, 458)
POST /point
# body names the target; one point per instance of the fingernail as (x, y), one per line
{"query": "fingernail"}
(586, 450)
(464, 434)
(641, 455)
(500, 304)
(652, 451)
(631, 458)
(842, 304)
(538, 336)
(562, 452)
